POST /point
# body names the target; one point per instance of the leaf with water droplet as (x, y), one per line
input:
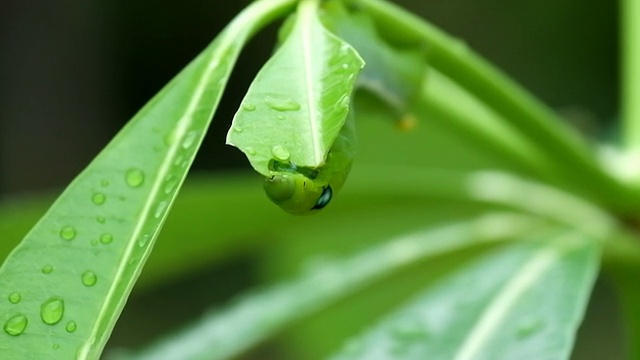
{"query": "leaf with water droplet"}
(106, 238)
(499, 290)
(280, 153)
(182, 111)
(16, 325)
(52, 311)
(305, 78)
(47, 269)
(134, 177)
(71, 326)
(89, 278)
(98, 198)
(281, 103)
(68, 233)
(15, 298)
(394, 75)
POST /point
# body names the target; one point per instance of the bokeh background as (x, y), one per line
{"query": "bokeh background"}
(73, 72)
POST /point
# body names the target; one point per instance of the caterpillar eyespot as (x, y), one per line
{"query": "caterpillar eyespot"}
(324, 198)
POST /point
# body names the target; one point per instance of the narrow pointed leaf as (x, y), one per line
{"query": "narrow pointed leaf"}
(524, 301)
(261, 314)
(300, 99)
(64, 286)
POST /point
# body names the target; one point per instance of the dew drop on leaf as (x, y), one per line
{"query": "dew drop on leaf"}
(528, 327)
(280, 153)
(14, 298)
(282, 104)
(170, 184)
(134, 177)
(47, 269)
(106, 238)
(52, 310)
(104, 183)
(237, 129)
(89, 278)
(71, 326)
(248, 107)
(189, 139)
(55, 346)
(142, 242)
(16, 325)
(101, 219)
(280, 117)
(251, 151)
(160, 209)
(68, 233)
(98, 198)
(409, 330)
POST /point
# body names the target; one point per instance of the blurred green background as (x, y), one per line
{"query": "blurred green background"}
(73, 72)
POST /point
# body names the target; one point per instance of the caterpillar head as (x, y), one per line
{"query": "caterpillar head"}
(296, 193)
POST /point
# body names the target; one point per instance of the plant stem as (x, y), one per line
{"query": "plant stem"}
(630, 74)
(534, 120)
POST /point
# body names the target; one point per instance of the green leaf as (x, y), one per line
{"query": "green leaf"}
(300, 99)
(522, 301)
(261, 314)
(393, 75)
(63, 288)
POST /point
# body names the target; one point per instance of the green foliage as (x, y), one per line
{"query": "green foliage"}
(482, 245)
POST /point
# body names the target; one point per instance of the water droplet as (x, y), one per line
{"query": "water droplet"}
(15, 325)
(189, 139)
(237, 128)
(142, 242)
(98, 198)
(47, 269)
(55, 346)
(71, 326)
(528, 327)
(94, 242)
(134, 177)
(89, 278)
(345, 66)
(14, 298)
(106, 238)
(344, 100)
(282, 104)
(280, 153)
(68, 233)
(251, 151)
(170, 184)
(160, 209)
(104, 183)
(248, 107)
(101, 219)
(409, 330)
(179, 160)
(52, 310)
(280, 117)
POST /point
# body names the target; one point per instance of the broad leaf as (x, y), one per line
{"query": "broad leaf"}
(64, 286)
(299, 101)
(524, 301)
(393, 75)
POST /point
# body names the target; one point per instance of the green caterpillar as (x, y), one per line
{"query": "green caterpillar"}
(299, 190)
